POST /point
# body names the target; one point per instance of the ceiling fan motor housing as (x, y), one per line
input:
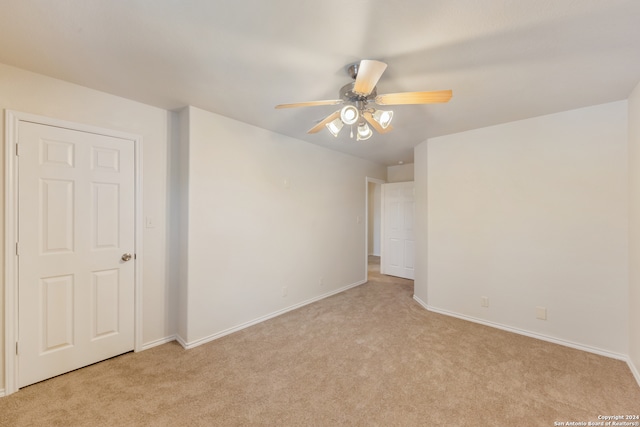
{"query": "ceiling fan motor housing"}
(348, 95)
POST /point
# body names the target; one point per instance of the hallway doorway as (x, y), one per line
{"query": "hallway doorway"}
(373, 224)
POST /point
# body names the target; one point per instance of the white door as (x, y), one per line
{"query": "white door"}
(398, 242)
(76, 220)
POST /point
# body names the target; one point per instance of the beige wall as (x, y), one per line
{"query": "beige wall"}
(400, 173)
(36, 94)
(421, 216)
(634, 231)
(265, 211)
(532, 213)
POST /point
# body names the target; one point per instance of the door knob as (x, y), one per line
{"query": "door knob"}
(126, 257)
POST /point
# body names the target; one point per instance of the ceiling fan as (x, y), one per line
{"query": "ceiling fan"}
(359, 94)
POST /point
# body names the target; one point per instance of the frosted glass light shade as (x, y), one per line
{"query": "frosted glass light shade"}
(349, 115)
(335, 126)
(364, 132)
(383, 118)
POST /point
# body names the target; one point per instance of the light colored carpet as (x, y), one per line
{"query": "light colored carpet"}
(370, 356)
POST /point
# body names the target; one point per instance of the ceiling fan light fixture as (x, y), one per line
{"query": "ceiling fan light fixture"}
(383, 117)
(335, 126)
(364, 132)
(349, 115)
(355, 97)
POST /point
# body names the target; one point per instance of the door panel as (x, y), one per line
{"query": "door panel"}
(56, 302)
(57, 197)
(76, 219)
(105, 303)
(398, 248)
(105, 218)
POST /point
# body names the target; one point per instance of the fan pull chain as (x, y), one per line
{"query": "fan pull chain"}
(351, 132)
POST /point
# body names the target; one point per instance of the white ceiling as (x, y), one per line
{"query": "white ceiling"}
(504, 59)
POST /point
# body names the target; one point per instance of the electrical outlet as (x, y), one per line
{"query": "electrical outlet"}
(284, 291)
(541, 313)
(484, 301)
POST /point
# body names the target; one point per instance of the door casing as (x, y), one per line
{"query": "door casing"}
(12, 125)
(368, 180)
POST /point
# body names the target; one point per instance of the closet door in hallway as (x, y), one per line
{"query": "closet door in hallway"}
(398, 241)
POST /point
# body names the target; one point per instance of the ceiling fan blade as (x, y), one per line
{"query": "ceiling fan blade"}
(310, 103)
(369, 118)
(331, 117)
(369, 72)
(414, 97)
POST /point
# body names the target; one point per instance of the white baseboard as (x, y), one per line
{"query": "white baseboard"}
(195, 343)
(422, 303)
(634, 370)
(181, 341)
(2, 394)
(158, 342)
(530, 334)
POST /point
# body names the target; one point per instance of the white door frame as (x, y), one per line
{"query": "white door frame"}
(366, 221)
(12, 122)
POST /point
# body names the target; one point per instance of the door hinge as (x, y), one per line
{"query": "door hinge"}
(17, 353)
(17, 149)
(17, 248)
